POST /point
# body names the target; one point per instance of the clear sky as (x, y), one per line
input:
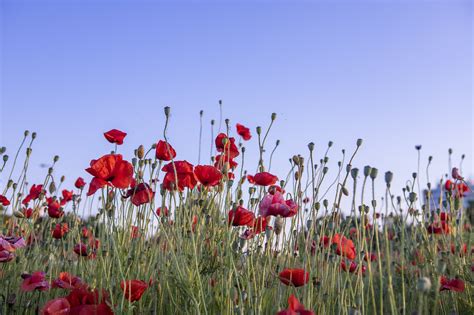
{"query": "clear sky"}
(395, 73)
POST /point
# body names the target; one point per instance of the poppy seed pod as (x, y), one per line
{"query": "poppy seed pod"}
(388, 177)
(373, 172)
(167, 110)
(359, 142)
(412, 197)
(418, 147)
(367, 169)
(354, 173)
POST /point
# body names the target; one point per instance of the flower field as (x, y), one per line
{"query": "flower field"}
(169, 236)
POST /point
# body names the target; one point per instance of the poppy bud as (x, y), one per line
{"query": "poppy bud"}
(141, 152)
(56, 158)
(274, 116)
(201, 112)
(450, 151)
(311, 146)
(345, 191)
(297, 175)
(27, 132)
(414, 175)
(418, 147)
(15, 185)
(430, 158)
(330, 144)
(18, 214)
(33, 135)
(374, 203)
(424, 284)
(212, 122)
(259, 130)
(28, 151)
(3, 150)
(277, 143)
(367, 169)
(52, 188)
(134, 162)
(167, 111)
(325, 169)
(373, 172)
(5, 158)
(317, 206)
(359, 142)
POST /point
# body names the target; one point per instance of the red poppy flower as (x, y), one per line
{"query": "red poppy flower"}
(184, 172)
(81, 249)
(35, 192)
(54, 208)
(67, 196)
(60, 230)
(222, 159)
(4, 201)
(135, 233)
(133, 289)
(456, 285)
(115, 136)
(111, 170)
(141, 194)
(34, 281)
(243, 131)
(438, 228)
(370, 256)
(455, 174)
(241, 217)
(294, 277)
(259, 225)
(67, 281)
(226, 145)
(262, 179)
(195, 222)
(295, 308)
(164, 151)
(59, 306)
(27, 212)
(353, 267)
(276, 205)
(207, 175)
(79, 183)
(85, 301)
(344, 246)
(165, 211)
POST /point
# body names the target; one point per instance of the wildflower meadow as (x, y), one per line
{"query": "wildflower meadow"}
(153, 232)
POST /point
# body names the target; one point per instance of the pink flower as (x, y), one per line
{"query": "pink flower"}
(276, 205)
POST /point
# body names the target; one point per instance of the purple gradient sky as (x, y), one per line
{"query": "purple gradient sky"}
(395, 73)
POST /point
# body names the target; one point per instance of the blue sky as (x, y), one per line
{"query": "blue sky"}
(395, 73)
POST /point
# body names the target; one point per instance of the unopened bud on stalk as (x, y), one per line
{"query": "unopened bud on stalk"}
(27, 132)
(325, 169)
(33, 135)
(15, 185)
(259, 130)
(430, 158)
(326, 159)
(367, 169)
(252, 190)
(56, 158)
(18, 214)
(388, 177)
(418, 147)
(141, 152)
(9, 183)
(412, 197)
(414, 175)
(330, 143)
(5, 158)
(62, 178)
(167, 110)
(28, 151)
(317, 206)
(134, 161)
(359, 142)
(354, 173)
(345, 191)
(274, 116)
(3, 150)
(201, 112)
(373, 172)
(374, 203)
(348, 168)
(339, 163)
(450, 151)
(311, 146)
(297, 175)
(227, 121)
(50, 170)
(424, 284)
(52, 188)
